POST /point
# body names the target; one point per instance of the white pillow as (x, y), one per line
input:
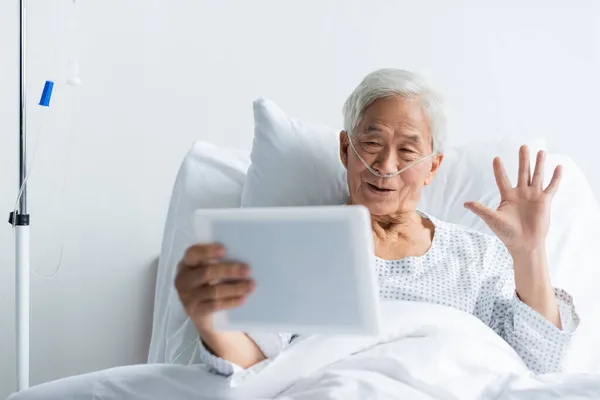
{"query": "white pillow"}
(295, 163)
(209, 177)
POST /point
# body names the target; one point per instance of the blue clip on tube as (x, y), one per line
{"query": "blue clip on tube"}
(47, 94)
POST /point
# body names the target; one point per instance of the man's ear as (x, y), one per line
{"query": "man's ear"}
(435, 166)
(344, 148)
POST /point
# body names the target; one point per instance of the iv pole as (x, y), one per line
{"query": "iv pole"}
(21, 223)
(19, 218)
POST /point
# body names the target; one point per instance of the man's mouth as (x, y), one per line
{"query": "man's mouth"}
(379, 189)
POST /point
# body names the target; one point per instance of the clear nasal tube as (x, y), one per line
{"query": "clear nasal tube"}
(390, 175)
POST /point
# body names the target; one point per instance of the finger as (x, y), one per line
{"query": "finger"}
(192, 278)
(555, 181)
(215, 272)
(225, 290)
(501, 177)
(538, 174)
(524, 167)
(483, 212)
(209, 307)
(200, 253)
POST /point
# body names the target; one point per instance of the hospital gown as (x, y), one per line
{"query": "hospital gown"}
(464, 269)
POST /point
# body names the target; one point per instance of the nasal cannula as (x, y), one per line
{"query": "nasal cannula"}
(392, 174)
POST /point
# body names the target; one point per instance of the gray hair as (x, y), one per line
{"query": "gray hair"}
(396, 82)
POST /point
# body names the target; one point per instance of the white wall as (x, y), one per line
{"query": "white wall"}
(159, 74)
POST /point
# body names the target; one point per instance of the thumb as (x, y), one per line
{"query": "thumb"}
(483, 212)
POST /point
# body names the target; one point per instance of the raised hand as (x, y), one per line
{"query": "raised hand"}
(522, 219)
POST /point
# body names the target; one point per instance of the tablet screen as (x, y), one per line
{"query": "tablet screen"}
(304, 272)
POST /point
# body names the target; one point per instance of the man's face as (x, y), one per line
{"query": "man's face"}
(392, 134)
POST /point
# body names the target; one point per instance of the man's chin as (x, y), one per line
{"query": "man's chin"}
(381, 208)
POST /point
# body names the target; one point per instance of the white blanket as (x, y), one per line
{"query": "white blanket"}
(428, 352)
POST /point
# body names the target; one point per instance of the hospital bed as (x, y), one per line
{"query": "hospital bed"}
(215, 177)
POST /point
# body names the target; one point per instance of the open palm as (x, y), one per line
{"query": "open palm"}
(522, 219)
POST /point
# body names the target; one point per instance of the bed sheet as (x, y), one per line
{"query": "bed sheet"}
(427, 351)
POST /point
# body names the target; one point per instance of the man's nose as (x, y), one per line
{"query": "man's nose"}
(387, 162)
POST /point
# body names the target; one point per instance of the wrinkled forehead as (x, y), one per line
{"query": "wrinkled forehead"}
(397, 117)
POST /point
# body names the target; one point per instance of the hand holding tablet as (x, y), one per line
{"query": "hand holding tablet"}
(206, 285)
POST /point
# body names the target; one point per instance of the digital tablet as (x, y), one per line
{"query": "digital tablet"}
(314, 268)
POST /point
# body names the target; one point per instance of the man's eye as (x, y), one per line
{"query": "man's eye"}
(405, 150)
(371, 143)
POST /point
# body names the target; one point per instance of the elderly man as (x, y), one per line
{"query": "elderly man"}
(392, 147)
